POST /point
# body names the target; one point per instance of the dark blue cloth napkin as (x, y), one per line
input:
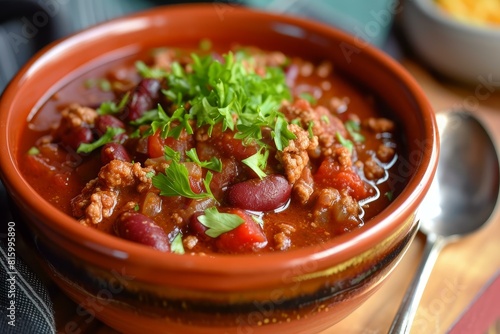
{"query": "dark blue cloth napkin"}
(25, 302)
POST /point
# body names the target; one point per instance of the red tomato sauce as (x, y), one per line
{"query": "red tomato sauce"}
(325, 172)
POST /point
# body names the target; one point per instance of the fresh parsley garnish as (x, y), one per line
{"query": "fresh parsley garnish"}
(282, 135)
(310, 127)
(214, 163)
(308, 97)
(344, 142)
(103, 84)
(205, 44)
(258, 162)
(149, 72)
(108, 137)
(171, 154)
(33, 151)
(353, 128)
(231, 93)
(219, 222)
(389, 195)
(169, 126)
(175, 182)
(110, 107)
(176, 245)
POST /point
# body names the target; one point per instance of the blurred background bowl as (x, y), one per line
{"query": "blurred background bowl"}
(460, 50)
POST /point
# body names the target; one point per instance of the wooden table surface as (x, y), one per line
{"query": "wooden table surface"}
(461, 271)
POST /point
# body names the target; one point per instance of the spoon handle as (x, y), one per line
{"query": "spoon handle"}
(408, 308)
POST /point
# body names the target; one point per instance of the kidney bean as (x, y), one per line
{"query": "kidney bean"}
(267, 194)
(104, 122)
(197, 227)
(114, 151)
(77, 136)
(139, 228)
(143, 98)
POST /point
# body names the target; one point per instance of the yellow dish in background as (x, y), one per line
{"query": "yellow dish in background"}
(479, 12)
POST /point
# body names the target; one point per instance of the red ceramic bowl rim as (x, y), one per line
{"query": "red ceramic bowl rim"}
(340, 248)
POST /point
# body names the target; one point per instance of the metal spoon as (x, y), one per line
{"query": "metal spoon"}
(461, 199)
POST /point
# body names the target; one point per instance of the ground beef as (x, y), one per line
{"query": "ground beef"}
(385, 153)
(335, 206)
(117, 174)
(372, 170)
(325, 125)
(102, 204)
(294, 157)
(190, 241)
(379, 125)
(100, 197)
(343, 156)
(76, 115)
(282, 238)
(304, 187)
(75, 126)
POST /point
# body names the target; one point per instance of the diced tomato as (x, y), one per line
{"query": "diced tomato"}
(155, 147)
(246, 238)
(195, 177)
(330, 174)
(223, 144)
(156, 143)
(233, 147)
(197, 227)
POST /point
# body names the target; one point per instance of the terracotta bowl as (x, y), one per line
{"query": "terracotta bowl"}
(139, 290)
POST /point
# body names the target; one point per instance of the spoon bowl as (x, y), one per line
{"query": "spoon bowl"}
(461, 199)
(463, 194)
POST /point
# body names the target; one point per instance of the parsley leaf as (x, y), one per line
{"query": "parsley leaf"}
(110, 107)
(389, 195)
(108, 137)
(308, 97)
(176, 246)
(170, 126)
(175, 182)
(310, 127)
(205, 44)
(33, 151)
(281, 133)
(353, 128)
(149, 72)
(219, 222)
(214, 164)
(103, 84)
(344, 142)
(258, 162)
(171, 154)
(146, 118)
